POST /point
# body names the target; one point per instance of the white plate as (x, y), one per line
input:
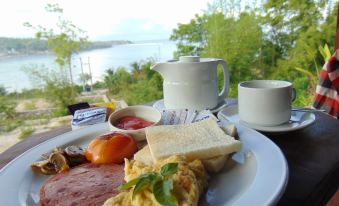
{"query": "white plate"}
(159, 105)
(299, 120)
(260, 180)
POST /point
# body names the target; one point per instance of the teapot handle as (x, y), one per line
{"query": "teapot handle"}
(224, 92)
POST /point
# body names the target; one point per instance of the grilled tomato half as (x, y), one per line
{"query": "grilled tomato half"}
(111, 148)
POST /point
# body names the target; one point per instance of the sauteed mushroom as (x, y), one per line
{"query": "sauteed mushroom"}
(74, 151)
(60, 160)
(45, 167)
(75, 155)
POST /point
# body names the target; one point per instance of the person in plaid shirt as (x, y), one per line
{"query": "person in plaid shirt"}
(327, 91)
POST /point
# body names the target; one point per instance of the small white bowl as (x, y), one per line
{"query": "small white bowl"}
(146, 112)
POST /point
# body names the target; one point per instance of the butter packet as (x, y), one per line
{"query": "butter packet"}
(185, 116)
(93, 115)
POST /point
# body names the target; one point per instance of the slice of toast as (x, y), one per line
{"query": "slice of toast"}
(144, 156)
(230, 130)
(214, 164)
(201, 140)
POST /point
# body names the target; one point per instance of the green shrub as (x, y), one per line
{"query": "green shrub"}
(7, 108)
(29, 105)
(139, 86)
(25, 132)
(305, 95)
(60, 112)
(9, 125)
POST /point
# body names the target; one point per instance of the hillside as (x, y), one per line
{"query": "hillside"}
(28, 46)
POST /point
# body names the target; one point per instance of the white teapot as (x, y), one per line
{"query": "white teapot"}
(191, 82)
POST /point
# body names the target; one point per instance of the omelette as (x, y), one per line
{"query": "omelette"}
(189, 182)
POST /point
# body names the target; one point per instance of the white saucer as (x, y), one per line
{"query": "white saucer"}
(299, 120)
(161, 106)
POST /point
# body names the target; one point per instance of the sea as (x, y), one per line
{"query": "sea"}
(14, 78)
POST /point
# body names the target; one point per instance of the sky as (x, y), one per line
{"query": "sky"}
(134, 20)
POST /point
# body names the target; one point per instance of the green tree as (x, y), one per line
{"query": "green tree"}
(223, 33)
(147, 86)
(65, 42)
(84, 78)
(191, 37)
(136, 69)
(295, 27)
(277, 40)
(3, 91)
(118, 80)
(55, 84)
(109, 80)
(298, 28)
(136, 87)
(238, 41)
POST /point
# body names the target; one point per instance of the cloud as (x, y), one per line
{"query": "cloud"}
(103, 17)
(137, 29)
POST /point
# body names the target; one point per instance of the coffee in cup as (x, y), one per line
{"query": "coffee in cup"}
(265, 102)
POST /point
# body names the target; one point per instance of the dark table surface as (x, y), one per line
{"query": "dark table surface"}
(312, 154)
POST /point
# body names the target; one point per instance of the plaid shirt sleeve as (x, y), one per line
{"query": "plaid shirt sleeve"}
(327, 91)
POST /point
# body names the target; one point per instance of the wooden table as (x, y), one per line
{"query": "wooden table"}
(312, 155)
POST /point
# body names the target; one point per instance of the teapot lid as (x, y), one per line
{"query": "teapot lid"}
(189, 59)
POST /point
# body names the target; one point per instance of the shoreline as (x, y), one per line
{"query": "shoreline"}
(95, 45)
(20, 55)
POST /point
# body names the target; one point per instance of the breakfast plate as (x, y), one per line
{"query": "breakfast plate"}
(259, 179)
(298, 120)
(160, 105)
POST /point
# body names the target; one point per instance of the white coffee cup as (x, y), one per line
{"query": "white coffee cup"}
(265, 102)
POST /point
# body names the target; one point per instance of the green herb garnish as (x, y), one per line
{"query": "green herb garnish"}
(162, 192)
(168, 169)
(161, 184)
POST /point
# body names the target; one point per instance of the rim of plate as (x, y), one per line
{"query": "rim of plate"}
(262, 148)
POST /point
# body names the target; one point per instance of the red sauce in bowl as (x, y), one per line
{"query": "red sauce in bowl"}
(132, 123)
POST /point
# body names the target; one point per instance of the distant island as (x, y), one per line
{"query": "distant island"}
(11, 47)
